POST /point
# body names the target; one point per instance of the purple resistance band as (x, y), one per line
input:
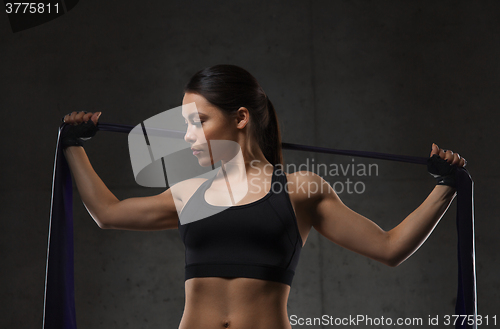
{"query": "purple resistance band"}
(59, 301)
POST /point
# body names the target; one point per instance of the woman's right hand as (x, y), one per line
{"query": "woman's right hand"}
(78, 117)
(78, 126)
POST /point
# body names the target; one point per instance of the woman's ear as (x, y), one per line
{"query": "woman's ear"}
(242, 117)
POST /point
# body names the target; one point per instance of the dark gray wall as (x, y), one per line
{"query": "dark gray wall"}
(390, 76)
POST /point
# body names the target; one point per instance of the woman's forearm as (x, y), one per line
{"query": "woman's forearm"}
(94, 193)
(412, 232)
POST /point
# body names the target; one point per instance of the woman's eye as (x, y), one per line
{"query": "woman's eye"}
(198, 124)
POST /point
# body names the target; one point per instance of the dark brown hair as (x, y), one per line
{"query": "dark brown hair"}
(230, 87)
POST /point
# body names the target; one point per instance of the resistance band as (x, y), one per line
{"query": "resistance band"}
(59, 301)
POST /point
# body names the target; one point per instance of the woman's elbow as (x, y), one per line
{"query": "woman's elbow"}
(101, 218)
(102, 222)
(394, 261)
(103, 225)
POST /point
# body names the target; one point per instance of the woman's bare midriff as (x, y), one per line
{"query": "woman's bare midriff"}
(239, 303)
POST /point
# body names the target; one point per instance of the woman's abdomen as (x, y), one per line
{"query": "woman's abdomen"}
(239, 303)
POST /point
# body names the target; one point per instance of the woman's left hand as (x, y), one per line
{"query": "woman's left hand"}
(448, 155)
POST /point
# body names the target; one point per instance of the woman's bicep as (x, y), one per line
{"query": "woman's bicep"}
(345, 227)
(149, 213)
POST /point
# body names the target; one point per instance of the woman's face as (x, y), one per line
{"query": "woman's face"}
(210, 132)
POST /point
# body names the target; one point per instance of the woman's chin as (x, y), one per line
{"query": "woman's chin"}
(204, 162)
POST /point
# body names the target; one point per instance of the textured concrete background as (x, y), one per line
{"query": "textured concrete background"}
(390, 76)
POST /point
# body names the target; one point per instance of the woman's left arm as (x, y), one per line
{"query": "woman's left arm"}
(334, 220)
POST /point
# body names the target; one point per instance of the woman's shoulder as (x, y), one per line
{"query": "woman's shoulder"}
(183, 190)
(306, 185)
(303, 176)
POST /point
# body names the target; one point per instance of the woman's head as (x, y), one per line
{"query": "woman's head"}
(235, 92)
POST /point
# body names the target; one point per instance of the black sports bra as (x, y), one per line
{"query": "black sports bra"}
(258, 240)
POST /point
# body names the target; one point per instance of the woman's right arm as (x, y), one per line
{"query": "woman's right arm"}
(141, 213)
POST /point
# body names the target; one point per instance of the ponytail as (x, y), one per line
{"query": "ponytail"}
(270, 143)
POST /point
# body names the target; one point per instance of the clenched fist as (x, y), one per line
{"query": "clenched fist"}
(77, 127)
(442, 165)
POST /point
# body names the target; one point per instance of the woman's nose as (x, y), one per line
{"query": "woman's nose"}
(189, 136)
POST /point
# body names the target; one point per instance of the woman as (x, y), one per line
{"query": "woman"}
(242, 248)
